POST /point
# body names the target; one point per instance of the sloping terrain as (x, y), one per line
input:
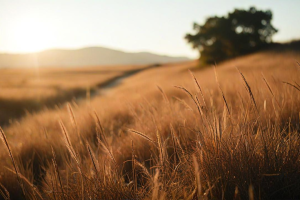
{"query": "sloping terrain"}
(29, 90)
(229, 132)
(90, 56)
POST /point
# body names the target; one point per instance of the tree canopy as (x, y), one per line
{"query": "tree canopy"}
(238, 33)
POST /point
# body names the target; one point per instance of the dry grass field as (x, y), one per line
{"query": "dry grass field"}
(171, 132)
(32, 89)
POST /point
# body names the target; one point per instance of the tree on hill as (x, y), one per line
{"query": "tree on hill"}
(238, 33)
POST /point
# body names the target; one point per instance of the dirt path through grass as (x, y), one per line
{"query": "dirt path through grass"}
(21, 108)
(102, 88)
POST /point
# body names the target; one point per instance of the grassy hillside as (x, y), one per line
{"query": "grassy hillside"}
(230, 133)
(24, 90)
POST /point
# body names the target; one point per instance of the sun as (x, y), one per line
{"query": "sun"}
(31, 35)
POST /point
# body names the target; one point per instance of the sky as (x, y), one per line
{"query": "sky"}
(156, 26)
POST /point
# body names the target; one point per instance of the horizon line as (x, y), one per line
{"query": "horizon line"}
(91, 46)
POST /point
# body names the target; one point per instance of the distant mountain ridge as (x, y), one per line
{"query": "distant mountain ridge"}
(90, 56)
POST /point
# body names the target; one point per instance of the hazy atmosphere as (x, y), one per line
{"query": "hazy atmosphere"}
(149, 99)
(133, 25)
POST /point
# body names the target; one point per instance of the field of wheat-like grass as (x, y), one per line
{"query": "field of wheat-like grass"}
(172, 132)
(25, 90)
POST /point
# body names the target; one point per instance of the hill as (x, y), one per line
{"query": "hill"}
(234, 135)
(90, 56)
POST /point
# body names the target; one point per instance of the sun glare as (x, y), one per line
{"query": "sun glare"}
(30, 35)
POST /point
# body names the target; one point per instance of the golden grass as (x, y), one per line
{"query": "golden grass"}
(236, 138)
(34, 83)
(31, 89)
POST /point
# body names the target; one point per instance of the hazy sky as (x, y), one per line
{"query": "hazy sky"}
(130, 25)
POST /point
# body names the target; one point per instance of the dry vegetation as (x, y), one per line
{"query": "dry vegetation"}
(228, 133)
(31, 89)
